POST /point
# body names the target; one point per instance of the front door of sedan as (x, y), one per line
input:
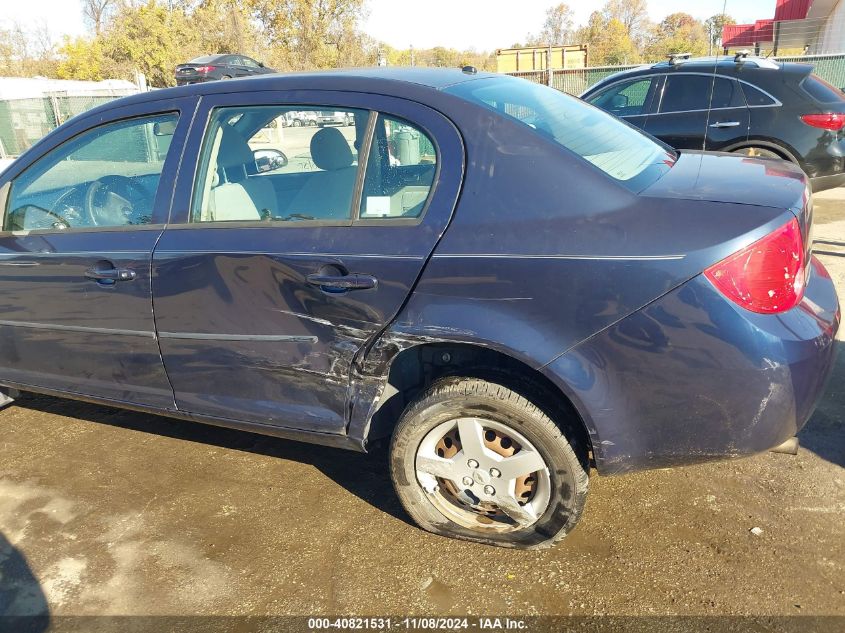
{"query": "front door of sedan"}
(272, 280)
(78, 231)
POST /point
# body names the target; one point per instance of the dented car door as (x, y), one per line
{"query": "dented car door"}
(263, 297)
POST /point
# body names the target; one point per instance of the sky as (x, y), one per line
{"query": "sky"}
(481, 24)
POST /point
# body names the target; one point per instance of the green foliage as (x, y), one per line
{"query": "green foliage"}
(608, 41)
(677, 33)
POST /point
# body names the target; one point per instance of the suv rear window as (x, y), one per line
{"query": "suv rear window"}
(822, 91)
(618, 149)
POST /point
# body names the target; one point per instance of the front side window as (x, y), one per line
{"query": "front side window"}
(253, 168)
(616, 148)
(628, 98)
(106, 177)
(400, 171)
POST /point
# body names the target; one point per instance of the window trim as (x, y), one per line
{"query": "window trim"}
(6, 199)
(776, 102)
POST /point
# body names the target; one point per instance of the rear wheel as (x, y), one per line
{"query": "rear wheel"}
(226, 77)
(476, 460)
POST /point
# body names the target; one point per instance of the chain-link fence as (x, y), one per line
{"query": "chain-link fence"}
(831, 68)
(23, 122)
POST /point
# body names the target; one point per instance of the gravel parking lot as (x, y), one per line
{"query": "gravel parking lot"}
(111, 512)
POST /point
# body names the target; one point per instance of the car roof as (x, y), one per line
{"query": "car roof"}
(756, 67)
(391, 81)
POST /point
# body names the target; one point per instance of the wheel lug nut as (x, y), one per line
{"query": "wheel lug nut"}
(467, 481)
(489, 490)
(495, 472)
(472, 463)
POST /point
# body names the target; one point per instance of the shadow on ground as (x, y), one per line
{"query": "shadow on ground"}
(824, 434)
(364, 475)
(23, 606)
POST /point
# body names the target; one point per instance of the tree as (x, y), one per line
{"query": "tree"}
(608, 41)
(678, 33)
(632, 14)
(309, 33)
(715, 24)
(557, 27)
(96, 12)
(81, 58)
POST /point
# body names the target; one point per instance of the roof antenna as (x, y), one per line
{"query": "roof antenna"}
(470, 70)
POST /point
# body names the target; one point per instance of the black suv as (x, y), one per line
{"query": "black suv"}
(736, 104)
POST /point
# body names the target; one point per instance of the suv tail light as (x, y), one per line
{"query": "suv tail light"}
(766, 277)
(833, 121)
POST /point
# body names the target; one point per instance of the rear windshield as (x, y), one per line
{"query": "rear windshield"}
(205, 59)
(822, 91)
(619, 150)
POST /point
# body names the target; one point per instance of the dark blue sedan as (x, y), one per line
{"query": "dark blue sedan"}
(510, 284)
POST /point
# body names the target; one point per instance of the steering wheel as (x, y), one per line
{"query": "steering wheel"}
(108, 200)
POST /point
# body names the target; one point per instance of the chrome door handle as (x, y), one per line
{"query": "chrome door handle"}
(109, 276)
(725, 124)
(354, 281)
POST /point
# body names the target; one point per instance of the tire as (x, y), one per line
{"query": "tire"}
(492, 414)
(297, 123)
(224, 77)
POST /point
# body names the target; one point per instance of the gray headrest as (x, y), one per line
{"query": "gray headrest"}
(330, 150)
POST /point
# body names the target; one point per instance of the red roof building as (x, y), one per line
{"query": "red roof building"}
(808, 24)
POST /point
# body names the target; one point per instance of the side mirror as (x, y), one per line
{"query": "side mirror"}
(269, 159)
(261, 64)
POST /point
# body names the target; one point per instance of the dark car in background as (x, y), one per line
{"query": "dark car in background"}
(508, 284)
(214, 67)
(746, 105)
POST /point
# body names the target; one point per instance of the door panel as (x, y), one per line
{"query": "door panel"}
(75, 293)
(244, 334)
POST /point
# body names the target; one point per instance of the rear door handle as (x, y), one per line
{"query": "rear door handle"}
(352, 281)
(725, 124)
(108, 276)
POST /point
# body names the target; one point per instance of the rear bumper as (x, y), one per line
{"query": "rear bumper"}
(692, 377)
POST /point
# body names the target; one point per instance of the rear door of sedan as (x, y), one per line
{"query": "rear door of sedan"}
(80, 222)
(268, 284)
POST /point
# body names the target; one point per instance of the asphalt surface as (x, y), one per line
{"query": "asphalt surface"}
(111, 512)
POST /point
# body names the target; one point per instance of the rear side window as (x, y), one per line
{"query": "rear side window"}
(755, 97)
(618, 149)
(822, 91)
(253, 168)
(726, 94)
(400, 171)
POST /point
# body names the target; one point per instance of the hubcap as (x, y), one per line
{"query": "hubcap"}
(483, 475)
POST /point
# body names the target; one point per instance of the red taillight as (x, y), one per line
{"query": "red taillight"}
(833, 121)
(767, 276)
(204, 69)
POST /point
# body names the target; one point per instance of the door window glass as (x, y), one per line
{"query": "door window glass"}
(756, 97)
(686, 92)
(105, 177)
(400, 171)
(254, 168)
(726, 94)
(624, 99)
(249, 63)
